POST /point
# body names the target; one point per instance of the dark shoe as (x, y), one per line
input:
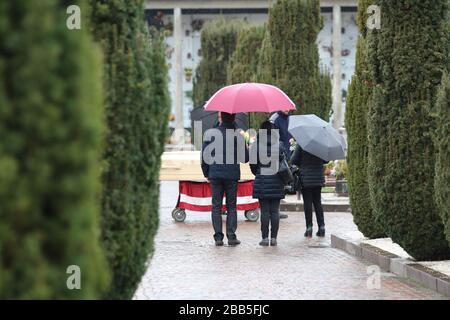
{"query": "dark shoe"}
(234, 242)
(283, 216)
(273, 242)
(309, 232)
(321, 232)
(219, 243)
(264, 242)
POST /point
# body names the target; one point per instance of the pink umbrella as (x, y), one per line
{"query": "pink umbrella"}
(249, 97)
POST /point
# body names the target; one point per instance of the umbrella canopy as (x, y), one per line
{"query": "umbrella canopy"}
(249, 97)
(317, 137)
(210, 119)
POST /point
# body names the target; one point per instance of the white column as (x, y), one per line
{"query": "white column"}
(337, 73)
(178, 37)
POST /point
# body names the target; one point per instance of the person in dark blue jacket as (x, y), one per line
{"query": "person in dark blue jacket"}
(220, 162)
(311, 182)
(281, 121)
(268, 187)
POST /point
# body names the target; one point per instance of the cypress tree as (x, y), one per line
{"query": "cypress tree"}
(442, 177)
(407, 58)
(51, 127)
(290, 57)
(160, 99)
(244, 61)
(243, 64)
(136, 112)
(359, 93)
(218, 42)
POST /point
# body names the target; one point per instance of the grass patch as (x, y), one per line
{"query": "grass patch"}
(328, 190)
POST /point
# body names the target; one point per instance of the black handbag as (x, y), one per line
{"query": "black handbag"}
(285, 172)
(295, 185)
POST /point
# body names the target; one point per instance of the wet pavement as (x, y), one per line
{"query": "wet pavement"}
(187, 265)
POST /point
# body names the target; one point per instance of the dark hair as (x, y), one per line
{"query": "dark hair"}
(227, 117)
(271, 129)
(267, 125)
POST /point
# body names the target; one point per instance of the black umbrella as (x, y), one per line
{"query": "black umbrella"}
(209, 120)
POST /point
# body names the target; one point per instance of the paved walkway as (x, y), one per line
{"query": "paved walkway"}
(187, 265)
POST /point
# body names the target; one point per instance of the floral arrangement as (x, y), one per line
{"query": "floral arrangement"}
(341, 170)
(292, 144)
(248, 139)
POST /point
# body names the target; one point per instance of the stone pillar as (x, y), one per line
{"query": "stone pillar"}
(337, 72)
(178, 37)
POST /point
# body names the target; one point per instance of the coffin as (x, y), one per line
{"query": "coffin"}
(185, 165)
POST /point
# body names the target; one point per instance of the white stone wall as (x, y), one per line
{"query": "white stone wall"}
(349, 39)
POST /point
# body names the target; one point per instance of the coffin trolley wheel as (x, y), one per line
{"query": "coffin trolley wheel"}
(252, 215)
(179, 215)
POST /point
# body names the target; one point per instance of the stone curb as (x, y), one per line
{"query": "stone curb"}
(292, 207)
(389, 262)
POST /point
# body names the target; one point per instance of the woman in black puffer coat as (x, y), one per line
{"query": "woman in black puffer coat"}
(312, 180)
(268, 186)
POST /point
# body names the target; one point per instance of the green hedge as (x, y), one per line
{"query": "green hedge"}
(50, 128)
(243, 64)
(290, 57)
(218, 42)
(406, 58)
(359, 93)
(136, 112)
(442, 179)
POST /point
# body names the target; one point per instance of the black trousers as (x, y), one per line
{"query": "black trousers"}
(313, 196)
(219, 187)
(270, 215)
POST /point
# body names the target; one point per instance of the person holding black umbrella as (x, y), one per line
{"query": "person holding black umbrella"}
(317, 143)
(312, 180)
